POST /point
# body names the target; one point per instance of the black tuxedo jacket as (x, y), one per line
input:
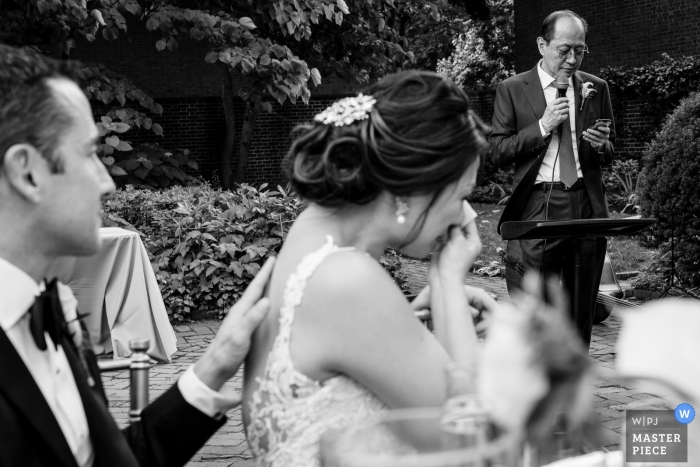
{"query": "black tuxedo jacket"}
(516, 137)
(170, 433)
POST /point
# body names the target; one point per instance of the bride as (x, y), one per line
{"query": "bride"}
(341, 343)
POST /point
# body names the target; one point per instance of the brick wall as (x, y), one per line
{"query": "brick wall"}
(272, 137)
(198, 124)
(620, 32)
(482, 103)
(632, 124)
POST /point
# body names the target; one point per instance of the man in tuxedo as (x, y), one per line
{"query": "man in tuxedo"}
(53, 409)
(557, 156)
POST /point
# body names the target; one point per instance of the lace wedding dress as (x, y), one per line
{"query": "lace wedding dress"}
(290, 411)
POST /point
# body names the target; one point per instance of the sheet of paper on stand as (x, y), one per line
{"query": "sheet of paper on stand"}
(118, 291)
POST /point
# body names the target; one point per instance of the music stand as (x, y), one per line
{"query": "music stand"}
(576, 230)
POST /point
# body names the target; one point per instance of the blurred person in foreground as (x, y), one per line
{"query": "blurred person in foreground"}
(389, 169)
(53, 409)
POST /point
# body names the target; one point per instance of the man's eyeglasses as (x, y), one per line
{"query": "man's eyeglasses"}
(577, 52)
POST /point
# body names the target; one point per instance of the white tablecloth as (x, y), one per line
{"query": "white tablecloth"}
(119, 292)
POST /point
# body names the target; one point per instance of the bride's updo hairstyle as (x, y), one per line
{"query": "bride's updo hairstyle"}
(419, 137)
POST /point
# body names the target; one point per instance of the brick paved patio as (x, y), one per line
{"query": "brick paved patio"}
(228, 447)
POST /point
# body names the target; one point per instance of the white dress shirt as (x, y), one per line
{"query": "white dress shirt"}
(51, 370)
(550, 157)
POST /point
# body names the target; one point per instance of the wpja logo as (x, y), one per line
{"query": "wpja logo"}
(658, 435)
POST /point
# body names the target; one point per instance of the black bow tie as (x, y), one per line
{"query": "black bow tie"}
(47, 316)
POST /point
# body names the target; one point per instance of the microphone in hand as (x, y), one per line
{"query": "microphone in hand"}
(562, 84)
(557, 111)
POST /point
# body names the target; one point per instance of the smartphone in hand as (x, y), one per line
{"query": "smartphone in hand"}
(601, 122)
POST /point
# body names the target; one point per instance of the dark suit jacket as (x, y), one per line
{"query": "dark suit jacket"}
(516, 137)
(170, 433)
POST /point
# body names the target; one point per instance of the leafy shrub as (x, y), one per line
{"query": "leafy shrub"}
(496, 185)
(652, 281)
(205, 244)
(621, 183)
(669, 188)
(660, 85)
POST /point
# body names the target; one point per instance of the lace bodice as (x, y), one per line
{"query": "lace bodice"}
(290, 411)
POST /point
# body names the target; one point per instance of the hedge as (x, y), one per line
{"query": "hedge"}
(669, 189)
(206, 245)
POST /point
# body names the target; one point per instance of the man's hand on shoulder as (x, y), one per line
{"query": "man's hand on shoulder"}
(556, 112)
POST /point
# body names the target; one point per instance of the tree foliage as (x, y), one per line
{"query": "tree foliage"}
(433, 41)
(269, 42)
(483, 52)
(52, 26)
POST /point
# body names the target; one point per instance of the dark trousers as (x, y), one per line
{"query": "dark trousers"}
(555, 257)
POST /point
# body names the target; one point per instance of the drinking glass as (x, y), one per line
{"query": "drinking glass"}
(426, 437)
(465, 413)
(460, 380)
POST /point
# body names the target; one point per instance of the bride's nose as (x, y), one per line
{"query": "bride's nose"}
(468, 214)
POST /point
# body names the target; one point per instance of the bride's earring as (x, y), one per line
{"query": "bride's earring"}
(401, 209)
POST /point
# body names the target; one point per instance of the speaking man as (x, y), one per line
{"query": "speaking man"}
(545, 122)
(53, 409)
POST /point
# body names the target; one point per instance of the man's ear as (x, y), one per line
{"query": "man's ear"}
(541, 44)
(25, 170)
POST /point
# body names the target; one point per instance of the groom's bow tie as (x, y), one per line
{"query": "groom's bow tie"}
(47, 316)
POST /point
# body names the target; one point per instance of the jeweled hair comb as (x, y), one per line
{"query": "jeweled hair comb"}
(347, 110)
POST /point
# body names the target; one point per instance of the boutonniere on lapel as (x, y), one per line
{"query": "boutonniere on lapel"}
(74, 326)
(70, 310)
(587, 91)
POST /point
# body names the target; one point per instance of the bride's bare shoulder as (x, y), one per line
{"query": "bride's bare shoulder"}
(350, 279)
(351, 267)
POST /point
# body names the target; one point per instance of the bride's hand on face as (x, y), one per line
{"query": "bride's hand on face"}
(461, 249)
